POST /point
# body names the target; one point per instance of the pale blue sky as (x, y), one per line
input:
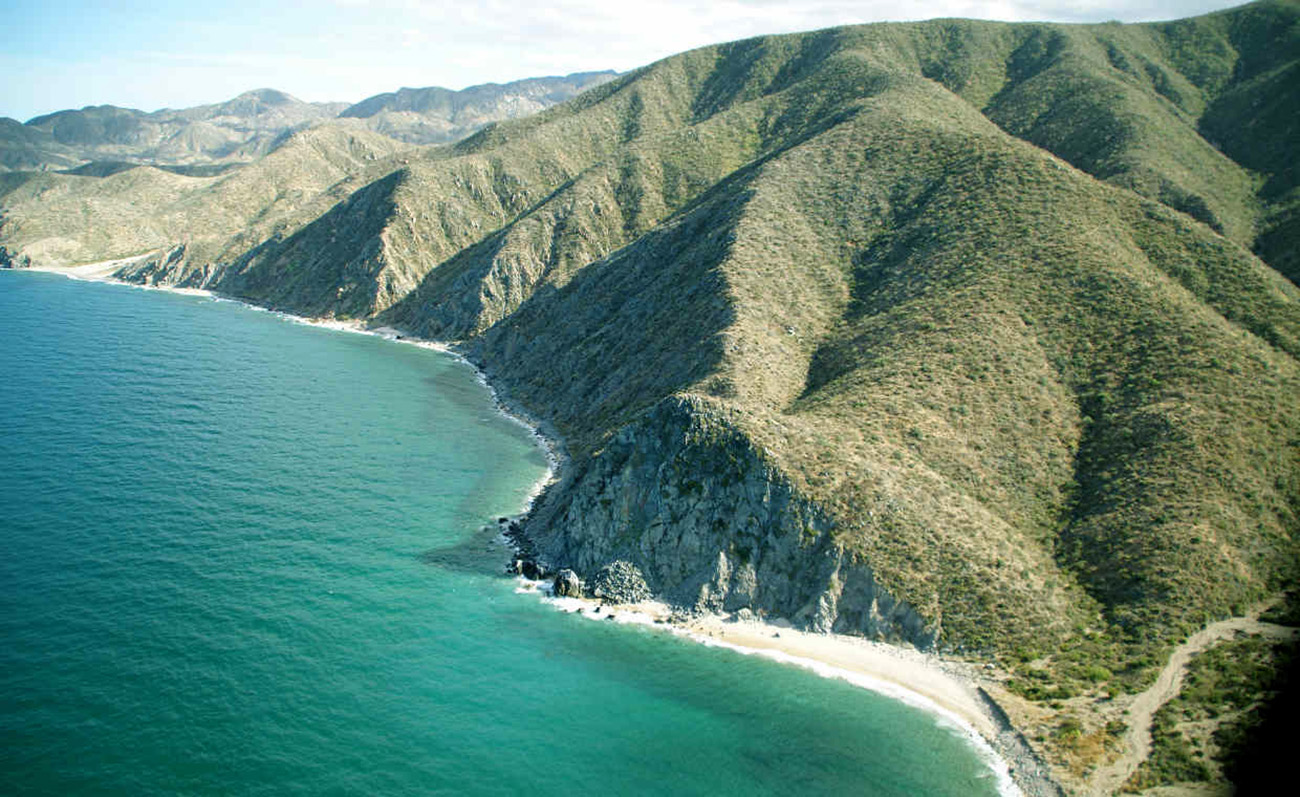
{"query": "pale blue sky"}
(177, 53)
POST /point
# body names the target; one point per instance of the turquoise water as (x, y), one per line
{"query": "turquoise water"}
(243, 556)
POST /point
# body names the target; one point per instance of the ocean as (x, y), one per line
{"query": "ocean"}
(245, 555)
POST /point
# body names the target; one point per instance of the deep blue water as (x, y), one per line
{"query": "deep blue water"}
(240, 555)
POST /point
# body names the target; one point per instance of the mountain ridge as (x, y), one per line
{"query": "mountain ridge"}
(436, 115)
(246, 127)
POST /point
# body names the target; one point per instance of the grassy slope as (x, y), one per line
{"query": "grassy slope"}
(1052, 414)
(865, 291)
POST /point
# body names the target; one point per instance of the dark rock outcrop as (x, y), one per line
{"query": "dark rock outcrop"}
(684, 499)
(567, 584)
(529, 569)
(9, 260)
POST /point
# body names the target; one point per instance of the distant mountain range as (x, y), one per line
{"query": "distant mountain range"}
(436, 115)
(103, 138)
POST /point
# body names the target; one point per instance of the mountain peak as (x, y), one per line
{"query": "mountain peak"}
(258, 101)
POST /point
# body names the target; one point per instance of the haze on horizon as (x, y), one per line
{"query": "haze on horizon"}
(75, 53)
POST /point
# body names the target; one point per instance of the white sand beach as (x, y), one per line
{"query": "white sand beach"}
(943, 688)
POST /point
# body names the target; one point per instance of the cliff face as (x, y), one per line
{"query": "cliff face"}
(713, 524)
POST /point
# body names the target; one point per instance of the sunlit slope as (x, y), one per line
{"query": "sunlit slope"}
(1190, 113)
(65, 219)
(624, 156)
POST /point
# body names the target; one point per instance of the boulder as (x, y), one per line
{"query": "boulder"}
(567, 584)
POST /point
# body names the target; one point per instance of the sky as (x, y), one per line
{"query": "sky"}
(59, 54)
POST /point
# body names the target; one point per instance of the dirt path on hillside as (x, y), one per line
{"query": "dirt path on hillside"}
(1137, 740)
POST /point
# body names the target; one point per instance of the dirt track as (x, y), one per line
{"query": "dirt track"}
(1137, 740)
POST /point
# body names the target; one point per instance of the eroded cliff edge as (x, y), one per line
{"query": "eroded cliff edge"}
(713, 525)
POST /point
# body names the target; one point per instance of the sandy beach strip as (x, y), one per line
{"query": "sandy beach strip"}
(100, 271)
(901, 672)
(103, 271)
(926, 682)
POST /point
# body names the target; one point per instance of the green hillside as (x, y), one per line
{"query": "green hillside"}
(975, 335)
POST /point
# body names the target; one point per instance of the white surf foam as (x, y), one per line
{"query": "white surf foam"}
(946, 719)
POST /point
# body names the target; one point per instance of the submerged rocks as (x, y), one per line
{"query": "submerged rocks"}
(567, 585)
(620, 582)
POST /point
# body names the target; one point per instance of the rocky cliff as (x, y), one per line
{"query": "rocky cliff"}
(713, 524)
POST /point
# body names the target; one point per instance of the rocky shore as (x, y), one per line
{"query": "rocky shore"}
(947, 687)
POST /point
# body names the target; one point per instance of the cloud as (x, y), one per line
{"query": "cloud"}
(351, 49)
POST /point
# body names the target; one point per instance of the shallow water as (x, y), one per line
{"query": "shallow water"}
(242, 555)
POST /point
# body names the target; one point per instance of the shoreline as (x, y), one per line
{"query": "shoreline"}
(550, 446)
(945, 689)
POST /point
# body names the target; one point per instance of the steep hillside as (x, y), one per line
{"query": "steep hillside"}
(921, 346)
(972, 335)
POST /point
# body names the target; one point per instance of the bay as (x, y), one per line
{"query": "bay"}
(242, 555)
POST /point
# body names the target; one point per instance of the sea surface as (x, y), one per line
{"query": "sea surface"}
(243, 555)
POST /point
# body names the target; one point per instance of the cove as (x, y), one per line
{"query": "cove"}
(244, 556)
